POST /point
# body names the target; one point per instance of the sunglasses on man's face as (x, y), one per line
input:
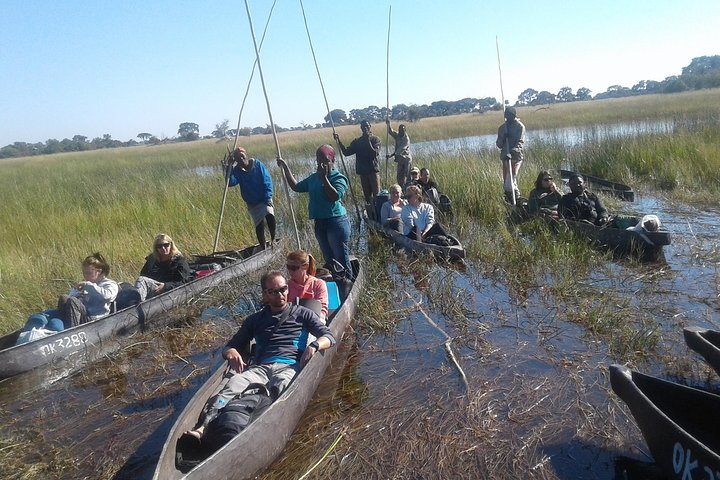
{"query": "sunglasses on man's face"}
(162, 245)
(276, 291)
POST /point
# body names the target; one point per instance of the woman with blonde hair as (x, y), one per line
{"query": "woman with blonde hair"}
(303, 283)
(165, 268)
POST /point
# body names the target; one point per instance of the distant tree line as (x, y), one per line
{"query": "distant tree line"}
(703, 72)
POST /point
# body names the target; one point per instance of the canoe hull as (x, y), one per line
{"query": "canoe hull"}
(645, 245)
(453, 252)
(706, 343)
(620, 190)
(679, 423)
(256, 447)
(85, 343)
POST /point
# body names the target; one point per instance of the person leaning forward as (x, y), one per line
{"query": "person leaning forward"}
(280, 330)
(366, 149)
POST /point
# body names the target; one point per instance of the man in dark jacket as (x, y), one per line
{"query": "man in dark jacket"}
(581, 204)
(281, 332)
(366, 149)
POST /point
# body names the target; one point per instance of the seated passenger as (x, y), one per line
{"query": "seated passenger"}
(581, 204)
(91, 298)
(418, 218)
(414, 177)
(429, 187)
(280, 331)
(390, 211)
(544, 198)
(303, 283)
(165, 268)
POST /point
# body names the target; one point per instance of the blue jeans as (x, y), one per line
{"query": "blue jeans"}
(332, 235)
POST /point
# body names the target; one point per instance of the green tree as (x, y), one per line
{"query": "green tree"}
(338, 117)
(221, 129)
(189, 131)
(144, 136)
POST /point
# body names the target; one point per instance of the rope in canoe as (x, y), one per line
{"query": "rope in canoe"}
(332, 123)
(272, 122)
(237, 134)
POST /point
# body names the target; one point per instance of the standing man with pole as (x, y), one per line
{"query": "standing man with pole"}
(256, 189)
(511, 136)
(366, 149)
(402, 155)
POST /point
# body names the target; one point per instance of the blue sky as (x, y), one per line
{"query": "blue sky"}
(98, 67)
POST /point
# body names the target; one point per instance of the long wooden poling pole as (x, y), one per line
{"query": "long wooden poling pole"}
(272, 122)
(332, 123)
(227, 165)
(387, 103)
(507, 141)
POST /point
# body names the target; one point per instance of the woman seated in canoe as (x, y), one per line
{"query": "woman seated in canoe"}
(88, 300)
(390, 210)
(303, 283)
(545, 197)
(326, 189)
(581, 204)
(165, 268)
(418, 218)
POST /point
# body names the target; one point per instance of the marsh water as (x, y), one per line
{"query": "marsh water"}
(536, 403)
(528, 397)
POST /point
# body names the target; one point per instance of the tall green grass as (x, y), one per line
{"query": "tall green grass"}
(55, 210)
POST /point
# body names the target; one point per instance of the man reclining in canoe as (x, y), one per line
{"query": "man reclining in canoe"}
(581, 204)
(280, 331)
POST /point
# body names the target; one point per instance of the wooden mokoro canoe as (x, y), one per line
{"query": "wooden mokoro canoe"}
(680, 424)
(85, 343)
(705, 342)
(255, 448)
(620, 190)
(644, 244)
(454, 252)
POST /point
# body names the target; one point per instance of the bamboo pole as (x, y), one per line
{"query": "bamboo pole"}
(332, 123)
(272, 122)
(227, 166)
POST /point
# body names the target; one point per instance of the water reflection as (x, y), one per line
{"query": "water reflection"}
(569, 137)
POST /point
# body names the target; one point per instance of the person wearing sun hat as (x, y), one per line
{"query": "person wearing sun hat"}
(414, 178)
(510, 138)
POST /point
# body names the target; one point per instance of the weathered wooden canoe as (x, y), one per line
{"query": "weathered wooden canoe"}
(85, 343)
(706, 343)
(255, 448)
(644, 244)
(454, 252)
(620, 190)
(680, 424)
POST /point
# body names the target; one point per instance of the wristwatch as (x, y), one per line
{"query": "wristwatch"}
(315, 345)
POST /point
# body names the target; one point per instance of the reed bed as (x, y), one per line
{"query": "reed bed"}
(55, 210)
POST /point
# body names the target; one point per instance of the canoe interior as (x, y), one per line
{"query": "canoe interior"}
(255, 448)
(454, 252)
(679, 423)
(706, 343)
(689, 408)
(84, 343)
